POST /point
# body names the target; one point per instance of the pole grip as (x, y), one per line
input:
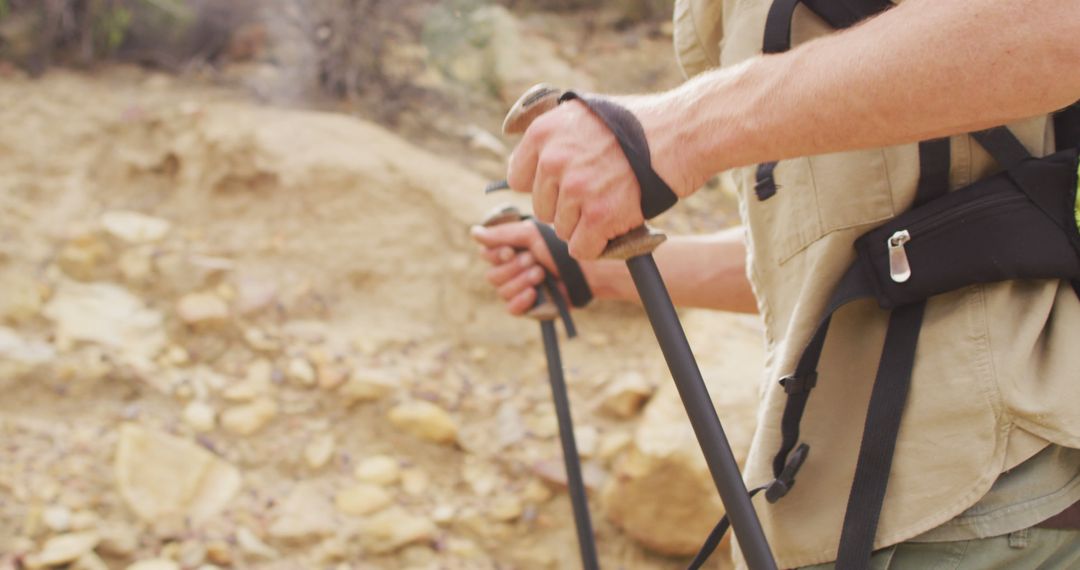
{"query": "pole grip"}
(544, 309)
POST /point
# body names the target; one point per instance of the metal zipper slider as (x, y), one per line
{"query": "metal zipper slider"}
(899, 269)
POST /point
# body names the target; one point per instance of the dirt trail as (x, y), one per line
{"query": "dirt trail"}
(246, 337)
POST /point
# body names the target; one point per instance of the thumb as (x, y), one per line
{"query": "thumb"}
(519, 235)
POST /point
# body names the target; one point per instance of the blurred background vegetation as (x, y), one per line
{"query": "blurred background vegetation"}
(340, 48)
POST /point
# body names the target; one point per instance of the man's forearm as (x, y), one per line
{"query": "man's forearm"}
(921, 70)
(701, 271)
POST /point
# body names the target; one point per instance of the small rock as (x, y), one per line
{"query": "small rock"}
(219, 552)
(160, 476)
(443, 514)
(202, 309)
(394, 528)
(367, 386)
(414, 482)
(319, 451)
(22, 299)
(425, 420)
(57, 518)
(118, 541)
(301, 372)
(66, 548)
(506, 508)
(261, 340)
(331, 375)
(253, 295)
(154, 564)
(136, 265)
(378, 470)
(256, 383)
(89, 561)
(626, 394)
(200, 416)
(108, 315)
(613, 443)
(249, 544)
(587, 439)
(362, 499)
(536, 492)
(83, 256)
(133, 227)
(247, 419)
(306, 513)
(553, 471)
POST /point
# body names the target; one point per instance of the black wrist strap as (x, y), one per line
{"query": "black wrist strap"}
(656, 195)
(569, 271)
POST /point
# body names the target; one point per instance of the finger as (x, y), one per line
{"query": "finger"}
(545, 192)
(522, 302)
(521, 171)
(498, 255)
(588, 240)
(520, 282)
(500, 274)
(566, 218)
(517, 235)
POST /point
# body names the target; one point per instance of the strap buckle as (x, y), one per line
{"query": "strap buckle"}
(797, 384)
(783, 484)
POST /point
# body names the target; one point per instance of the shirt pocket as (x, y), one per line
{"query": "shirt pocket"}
(822, 194)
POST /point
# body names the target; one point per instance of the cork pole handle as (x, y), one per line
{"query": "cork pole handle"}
(542, 98)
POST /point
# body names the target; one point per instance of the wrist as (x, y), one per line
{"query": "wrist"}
(608, 279)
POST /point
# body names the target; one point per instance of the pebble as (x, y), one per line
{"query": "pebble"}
(626, 394)
(66, 548)
(506, 508)
(202, 309)
(304, 514)
(57, 518)
(366, 385)
(393, 528)
(89, 561)
(425, 420)
(249, 544)
(118, 541)
(247, 419)
(301, 372)
(587, 439)
(414, 482)
(362, 499)
(536, 492)
(134, 227)
(136, 265)
(443, 514)
(261, 340)
(331, 375)
(611, 444)
(154, 564)
(378, 470)
(200, 416)
(254, 295)
(219, 552)
(319, 450)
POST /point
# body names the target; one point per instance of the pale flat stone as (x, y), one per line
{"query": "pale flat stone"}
(305, 514)
(248, 419)
(252, 545)
(202, 309)
(154, 564)
(378, 470)
(108, 315)
(66, 548)
(367, 385)
(362, 499)
(319, 450)
(425, 420)
(160, 476)
(301, 372)
(394, 528)
(626, 394)
(134, 227)
(200, 416)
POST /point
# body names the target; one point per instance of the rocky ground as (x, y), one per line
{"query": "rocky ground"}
(239, 336)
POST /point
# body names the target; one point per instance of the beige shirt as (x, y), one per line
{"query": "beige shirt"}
(997, 373)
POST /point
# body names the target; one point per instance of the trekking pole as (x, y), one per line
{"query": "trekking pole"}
(546, 311)
(636, 249)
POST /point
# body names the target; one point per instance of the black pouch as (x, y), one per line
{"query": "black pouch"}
(1018, 224)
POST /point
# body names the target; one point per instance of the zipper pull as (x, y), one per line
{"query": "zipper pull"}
(899, 269)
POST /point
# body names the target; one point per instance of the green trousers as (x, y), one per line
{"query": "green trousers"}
(1032, 548)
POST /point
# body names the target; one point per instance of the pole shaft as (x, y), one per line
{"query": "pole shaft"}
(703, 418)
(574, 481)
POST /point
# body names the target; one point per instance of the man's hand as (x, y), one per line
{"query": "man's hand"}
(579, 178)
(518, 256)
